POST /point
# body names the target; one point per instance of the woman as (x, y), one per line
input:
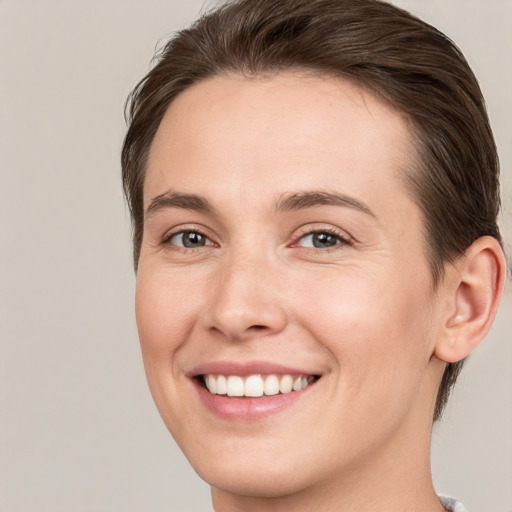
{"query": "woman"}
(314, 191)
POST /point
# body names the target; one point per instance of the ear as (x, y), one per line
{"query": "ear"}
(473, 288)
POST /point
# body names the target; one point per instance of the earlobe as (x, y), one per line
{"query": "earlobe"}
(474, 292)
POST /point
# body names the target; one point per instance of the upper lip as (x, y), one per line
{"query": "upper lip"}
(247, 368)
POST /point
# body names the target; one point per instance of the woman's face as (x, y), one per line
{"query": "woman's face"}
(281, 251)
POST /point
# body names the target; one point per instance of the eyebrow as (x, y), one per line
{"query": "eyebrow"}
(172, 199)
(287, 202)
(309, 199)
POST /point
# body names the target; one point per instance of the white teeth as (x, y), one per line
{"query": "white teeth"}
(222, 385)
(271, 385)
(255, 385)
(235, 386)
(211, 383)
(286, 384)
(297, 384)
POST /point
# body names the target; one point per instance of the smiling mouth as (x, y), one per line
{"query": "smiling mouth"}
(254, 386)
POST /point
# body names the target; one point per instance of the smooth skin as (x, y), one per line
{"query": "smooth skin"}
(257, 268)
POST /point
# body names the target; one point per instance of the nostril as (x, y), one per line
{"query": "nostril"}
(237, 320)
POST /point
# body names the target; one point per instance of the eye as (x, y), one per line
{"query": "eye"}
(322, 240)
(189, 240)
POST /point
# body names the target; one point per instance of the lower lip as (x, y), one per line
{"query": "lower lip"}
(248, 409)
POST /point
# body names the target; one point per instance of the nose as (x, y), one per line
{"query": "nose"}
(245, 301)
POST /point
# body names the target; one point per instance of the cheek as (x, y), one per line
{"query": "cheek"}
(377, 328)
(163, 312)
(164, 315)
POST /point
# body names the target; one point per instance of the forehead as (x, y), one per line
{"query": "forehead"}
(285, 132)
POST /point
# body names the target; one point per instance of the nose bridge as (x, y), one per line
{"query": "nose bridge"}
(245, 301)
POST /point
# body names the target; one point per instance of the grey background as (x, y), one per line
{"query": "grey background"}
(78, 429)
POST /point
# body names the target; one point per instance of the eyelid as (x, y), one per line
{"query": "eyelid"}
(308, 230)
(181, 229)
(207, 241)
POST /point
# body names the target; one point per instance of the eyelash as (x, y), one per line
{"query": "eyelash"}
(168, 239)
(341, 239)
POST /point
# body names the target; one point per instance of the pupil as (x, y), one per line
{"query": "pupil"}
(193, 239)
(324, 240)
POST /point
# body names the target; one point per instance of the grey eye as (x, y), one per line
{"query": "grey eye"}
(320, 240)
(189, 239)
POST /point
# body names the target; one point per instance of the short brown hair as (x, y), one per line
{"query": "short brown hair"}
(408, 63)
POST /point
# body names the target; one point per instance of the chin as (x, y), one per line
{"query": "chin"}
(264, 469)
(255, 482)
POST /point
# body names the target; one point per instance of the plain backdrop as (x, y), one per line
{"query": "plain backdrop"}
(78, 429)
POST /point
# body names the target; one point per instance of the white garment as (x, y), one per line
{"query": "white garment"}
(452, 505)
